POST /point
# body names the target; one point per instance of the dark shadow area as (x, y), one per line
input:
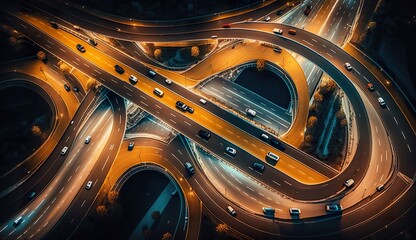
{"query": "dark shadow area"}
(266, 84)
(26, 127)
(163, 10)
(135, 198)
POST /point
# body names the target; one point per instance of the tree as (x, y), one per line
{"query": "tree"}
(222, 230)
(63, 67)
(91, 84)
(112, 197)
(195, 51)
(318, 97)
(158, 54)
(12, 40)
(155, 215)
(343, 122)
(312, 121)
(167, 236)
(340, 114)
(308, 138)
(260, 64)
(36, 130)
(102, 210)
(41, 55)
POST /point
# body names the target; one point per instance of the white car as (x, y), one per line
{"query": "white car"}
(294, 211)
(133, 79)
(381, 101)
(267, 18)
(348, 66)
(168, 81)
(278, 31)
(88, 140)
(89, 185)
(231, 151)
(349, 183)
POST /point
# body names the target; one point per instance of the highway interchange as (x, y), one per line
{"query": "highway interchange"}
(366, 212)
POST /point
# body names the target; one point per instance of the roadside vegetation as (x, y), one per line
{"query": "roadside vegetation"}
(178, 57)
(325, 135)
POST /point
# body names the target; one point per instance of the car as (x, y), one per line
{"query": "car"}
(381, 101)
(380, 187)
(294, 211)
(76, 27)
(67, 88)
(18, 221)
(267, 18)
(278, 31)
(181, 106)
(204, 135)
(370, 86)
(158, 92)
(264, 136)
(259, 167)
(152, 73)
(31, 195)
(307, 10)
(349, 183)
(276, 143)
(214, 36)
(133, 79)
(190, 110)
(348, 66)
(268, 210)
(118, 29)
(248, 19)
(277, 49)
(203, 101)
(272, 156)
(174, 192)
(333, 208)
(189, 168)
(231, 151)
(279, 13)
(92, 42)
(72, 122)
(168, 81)
(131, 146)
(231, 211)
(89, 185)
(54, 24)
(119, 69)
(226, 25)
(292, 31)
(88, 139)
(76, 89)
(251, 112)
(81, 48)
(63, 151)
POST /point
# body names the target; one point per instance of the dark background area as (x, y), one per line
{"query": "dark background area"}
(24, 108)
(162, 9)
(255, 81)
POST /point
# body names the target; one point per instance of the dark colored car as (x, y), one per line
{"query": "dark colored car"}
(54, 24)
(76, 89)
(204, 135)
(259, 167)
(226, 26)
(31, 195)
(131, 146)
(370, 86)
(92, 42)
(276, 143)
(181, 106)
(277, 49)
(190, 110)
(307, 10)
(119, 69)
(67, 88)
(189, 168)
(81, 48)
